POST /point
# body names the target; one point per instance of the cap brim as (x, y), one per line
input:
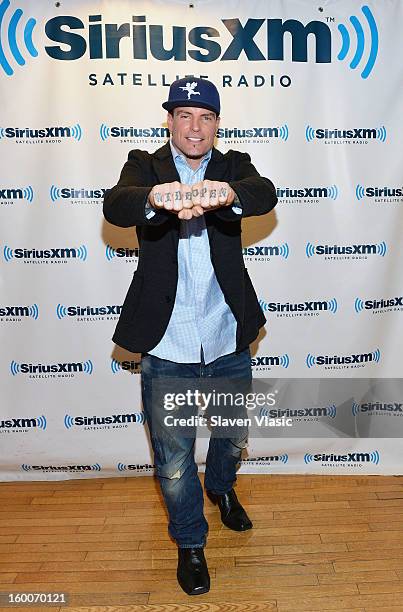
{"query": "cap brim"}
(171, 105)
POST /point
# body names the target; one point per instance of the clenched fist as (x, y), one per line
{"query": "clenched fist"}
(191, 201)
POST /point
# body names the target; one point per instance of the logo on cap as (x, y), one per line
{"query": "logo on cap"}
(189, 88)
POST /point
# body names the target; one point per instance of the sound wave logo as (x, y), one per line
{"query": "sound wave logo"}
(76, 132)
(116, 366)
(360, 42)
(88, 368)
(55, 193)
(283, 132)
(331, 411)
(104, 131)
(61, 311)
(376, 355)
(358, 305)
(359, 192)
(26, 467)
(310, 250)
(381, 248)
(374, 456)
(110, 252)
(14, 368)
(68, 421)
(34, 311)
(333, 192)
(355, 409)
(310, 360)
(283, 250)
(7, 253)
(41, 422)
(82, 252)
(12, 38)
(284, 361)
(28, 193)
(332, 305)
(381, 133)
(309, 133)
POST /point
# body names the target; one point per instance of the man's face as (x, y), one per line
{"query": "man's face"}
(192, 130)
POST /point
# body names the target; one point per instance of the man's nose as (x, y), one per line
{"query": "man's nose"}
(195, 124)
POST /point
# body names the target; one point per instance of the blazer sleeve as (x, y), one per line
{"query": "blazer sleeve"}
(256, 193)
(124, 204)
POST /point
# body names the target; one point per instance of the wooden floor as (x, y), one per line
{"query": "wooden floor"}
(318, 543)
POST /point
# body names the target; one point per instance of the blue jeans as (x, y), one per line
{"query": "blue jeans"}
(174, 454)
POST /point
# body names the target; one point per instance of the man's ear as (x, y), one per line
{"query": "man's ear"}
(169, 121)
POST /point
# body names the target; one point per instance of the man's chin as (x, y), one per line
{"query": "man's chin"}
(195, 156)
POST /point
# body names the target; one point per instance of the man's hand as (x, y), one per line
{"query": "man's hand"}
(212, 194)
(191, 201)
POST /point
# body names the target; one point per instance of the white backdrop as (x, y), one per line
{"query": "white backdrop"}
(319, 114)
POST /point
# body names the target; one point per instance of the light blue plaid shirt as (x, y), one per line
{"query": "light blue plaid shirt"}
(201, 318)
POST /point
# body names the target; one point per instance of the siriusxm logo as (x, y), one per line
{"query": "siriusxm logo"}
(89, 313)
(9, 194)
(264, 460)
(300, 414)
(253, 134)
(98, 40)
(74, 193)
(266, 362)
(350, 251)
(300, 309)
(46, 134)
(52, 370)
(265, 252)
(17, 425)
(351, 136)
(379, 194)
(16, 313)
(351, 458)
(306, 195)
(106, 132)
(378, 408)
(121, 252)
(112, 421)
(53, 255)
(129, 366)
(135, 467)
(96, 467)
(377, 306)
(335, 362)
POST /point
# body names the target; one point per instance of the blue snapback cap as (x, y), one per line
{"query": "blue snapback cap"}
(192, 91)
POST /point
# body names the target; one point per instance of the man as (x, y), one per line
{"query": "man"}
(191, 309)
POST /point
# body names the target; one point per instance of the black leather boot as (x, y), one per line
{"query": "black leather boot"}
(192, 571)
(232, 513)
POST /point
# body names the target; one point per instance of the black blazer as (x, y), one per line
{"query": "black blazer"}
(150, 299)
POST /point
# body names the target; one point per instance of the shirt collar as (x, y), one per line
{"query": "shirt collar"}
(179, 156)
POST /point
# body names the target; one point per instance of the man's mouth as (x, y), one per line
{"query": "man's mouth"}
(194, 139)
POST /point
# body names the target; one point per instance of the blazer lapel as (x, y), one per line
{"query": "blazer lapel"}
(164, 166)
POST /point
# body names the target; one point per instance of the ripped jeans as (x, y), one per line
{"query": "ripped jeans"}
(174, 454)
